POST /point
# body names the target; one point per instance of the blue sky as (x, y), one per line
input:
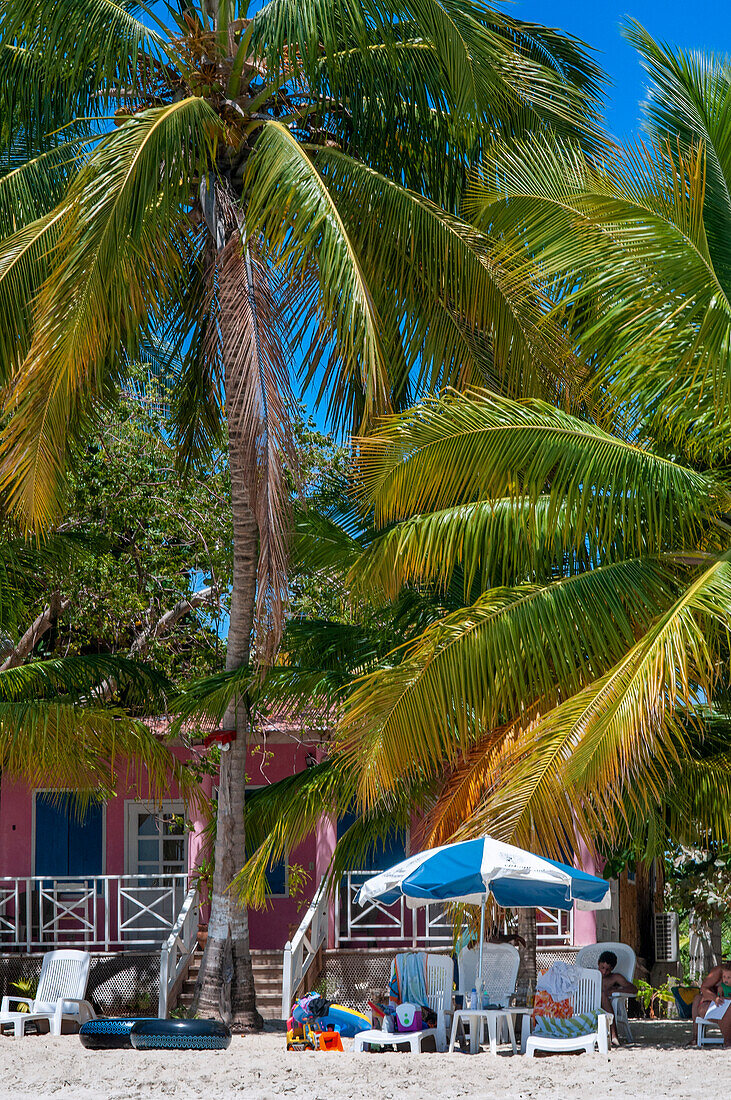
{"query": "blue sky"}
(691, 24)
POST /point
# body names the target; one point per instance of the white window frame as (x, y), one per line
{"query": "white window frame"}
(173, 806)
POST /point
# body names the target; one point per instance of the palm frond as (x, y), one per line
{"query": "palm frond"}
(120, 256)
(477, 446)
(690, 100)
(291, 207)
(619, 741)
(23, 269)
(485, 543)
(488, 664)
(84, 56)
(32, 188)
(459, 314)
(88, 749)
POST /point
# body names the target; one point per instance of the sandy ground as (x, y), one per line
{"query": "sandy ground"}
(658, 1065)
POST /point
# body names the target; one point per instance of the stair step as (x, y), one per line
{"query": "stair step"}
(267, 966)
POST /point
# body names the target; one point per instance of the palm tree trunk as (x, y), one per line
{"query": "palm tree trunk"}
(527, 929)
(226, 981)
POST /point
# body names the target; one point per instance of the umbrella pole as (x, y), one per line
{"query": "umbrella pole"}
(482, 939)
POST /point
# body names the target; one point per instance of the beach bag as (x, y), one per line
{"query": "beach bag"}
(408, 1017)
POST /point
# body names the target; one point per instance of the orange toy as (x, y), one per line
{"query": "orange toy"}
(330, 1040)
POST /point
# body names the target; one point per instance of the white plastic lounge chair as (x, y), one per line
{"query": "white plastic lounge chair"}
(626, 961)
(60, 995)
(439, 980)
(500, 965)
(586, 998)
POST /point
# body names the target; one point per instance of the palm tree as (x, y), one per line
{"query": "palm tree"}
(281, 182)
(568, 697)
(632, 250)
(571, 696)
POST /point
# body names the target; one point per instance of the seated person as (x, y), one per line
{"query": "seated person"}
(612, 982)
(715, 989)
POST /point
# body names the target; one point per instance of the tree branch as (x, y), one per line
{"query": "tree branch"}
(40, 626)
(205, 597)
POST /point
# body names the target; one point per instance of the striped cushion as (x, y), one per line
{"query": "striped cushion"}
(584, 1024)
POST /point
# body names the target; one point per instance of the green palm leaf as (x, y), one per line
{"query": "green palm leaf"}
(619, 739)
(123, 249)
(485, 665)
(476, 447)
(304, 226)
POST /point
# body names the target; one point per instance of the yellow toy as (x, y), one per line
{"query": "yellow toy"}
(301, 1038)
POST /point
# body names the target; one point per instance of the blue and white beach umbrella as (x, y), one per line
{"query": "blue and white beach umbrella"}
(470, 871)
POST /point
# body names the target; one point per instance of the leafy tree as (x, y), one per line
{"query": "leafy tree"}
(155, 578)
(566, 696)
(567, 692)
(74, 720)
(270, 183)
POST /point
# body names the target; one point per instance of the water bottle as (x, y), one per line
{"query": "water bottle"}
(473, 997)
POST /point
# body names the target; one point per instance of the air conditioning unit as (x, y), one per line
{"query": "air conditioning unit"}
(666, 937)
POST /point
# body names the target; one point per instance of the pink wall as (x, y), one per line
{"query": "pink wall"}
(585, 920)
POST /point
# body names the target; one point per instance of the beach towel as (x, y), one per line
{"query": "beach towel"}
(408, 979)
(544, 1005)
(560, 980)
(584, 1024)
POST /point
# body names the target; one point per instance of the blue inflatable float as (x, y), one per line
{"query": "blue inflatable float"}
(109, 1034)
(326, 1016)
(180, 1035)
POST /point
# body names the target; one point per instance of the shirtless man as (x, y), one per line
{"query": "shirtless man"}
(612, 982)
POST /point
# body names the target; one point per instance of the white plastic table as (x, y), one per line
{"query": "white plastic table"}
(473, 1016)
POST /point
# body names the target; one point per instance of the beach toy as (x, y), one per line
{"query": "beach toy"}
(329, 1040)
(109, 1034)
(408, 1017)
(325, 1016)
(348, 1021)
(301, 1038)
(180, 1035)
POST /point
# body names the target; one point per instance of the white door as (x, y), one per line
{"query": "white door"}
(157, 848)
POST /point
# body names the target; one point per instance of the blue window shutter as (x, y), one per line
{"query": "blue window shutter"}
(67, 843)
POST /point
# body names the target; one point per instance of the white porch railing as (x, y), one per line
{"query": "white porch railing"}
(300, 952)
(177, 950)
(554, 927)
(102, 912)
(376, 923)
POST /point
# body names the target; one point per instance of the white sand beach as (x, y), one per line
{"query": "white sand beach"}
(259, 1067)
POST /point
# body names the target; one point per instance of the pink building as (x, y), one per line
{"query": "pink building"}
(119, 878)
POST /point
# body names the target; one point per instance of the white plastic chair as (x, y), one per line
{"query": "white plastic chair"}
(626, 961)
(708, 1040)
(439, 980)
(586, 997)
(500, 965)
(60, 994)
